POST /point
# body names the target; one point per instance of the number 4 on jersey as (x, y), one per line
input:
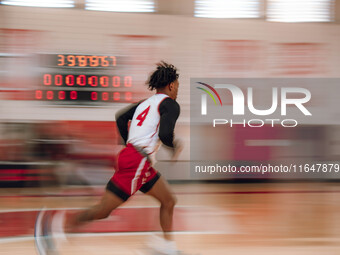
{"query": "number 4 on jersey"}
(141, 117)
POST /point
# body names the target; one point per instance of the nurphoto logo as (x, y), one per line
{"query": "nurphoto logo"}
(280, 99)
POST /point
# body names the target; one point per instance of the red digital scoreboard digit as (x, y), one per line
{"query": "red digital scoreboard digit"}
(83, 78)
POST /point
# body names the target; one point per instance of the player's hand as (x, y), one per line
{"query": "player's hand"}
(178, 147)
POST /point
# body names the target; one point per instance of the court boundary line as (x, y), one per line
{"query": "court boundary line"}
(187, 193)
(114, 234)
(32, 209)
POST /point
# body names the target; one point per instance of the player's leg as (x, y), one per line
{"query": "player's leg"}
(53, 227)
(162, 192)
(114, 194)
(103, 209)
(158, 188)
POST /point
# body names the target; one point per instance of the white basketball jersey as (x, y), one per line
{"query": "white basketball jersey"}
(144, 125)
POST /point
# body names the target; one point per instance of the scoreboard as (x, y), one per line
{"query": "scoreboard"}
(85, 79)
(71, 60)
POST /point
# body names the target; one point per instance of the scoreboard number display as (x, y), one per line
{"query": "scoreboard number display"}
(86, 61)
(88, 79)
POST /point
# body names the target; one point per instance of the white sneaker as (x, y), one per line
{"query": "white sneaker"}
(161, 246)
(42, 234)
(57, 227)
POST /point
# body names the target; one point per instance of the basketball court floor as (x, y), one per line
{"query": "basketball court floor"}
(210, 218)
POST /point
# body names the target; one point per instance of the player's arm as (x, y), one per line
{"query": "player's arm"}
(122, 119)
(169, 111)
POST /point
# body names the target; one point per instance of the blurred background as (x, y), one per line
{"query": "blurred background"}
(66, 68)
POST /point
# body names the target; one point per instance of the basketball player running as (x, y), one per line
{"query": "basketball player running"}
(152, 121)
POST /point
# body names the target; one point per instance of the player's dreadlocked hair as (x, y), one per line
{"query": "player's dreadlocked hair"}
(164, 75)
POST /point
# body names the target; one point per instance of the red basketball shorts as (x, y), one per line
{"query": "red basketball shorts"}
(133, 173)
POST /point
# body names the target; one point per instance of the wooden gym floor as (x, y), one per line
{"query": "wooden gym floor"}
(210, 218)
